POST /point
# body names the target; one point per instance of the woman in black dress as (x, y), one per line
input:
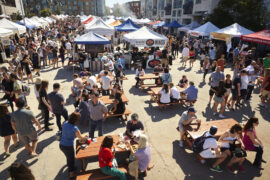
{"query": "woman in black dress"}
(118, 105)
(62, 54)
(25, 63)
(6, 129)
(36, 61)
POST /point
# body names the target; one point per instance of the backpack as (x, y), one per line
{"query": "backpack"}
(197, 144)
(25, 90)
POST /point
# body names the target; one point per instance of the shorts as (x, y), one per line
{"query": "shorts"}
(50, 56)
(266, 94)
(222, 149)
(234, 95)
(228, 91)
(211, 93)
(218, 99)
(208, 154)
(243, 93)
(26, 139)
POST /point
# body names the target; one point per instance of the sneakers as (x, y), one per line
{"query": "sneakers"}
(215, 113)
(221, 116)
(216, 169)
(180, 143)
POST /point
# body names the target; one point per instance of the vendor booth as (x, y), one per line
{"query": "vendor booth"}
(16, 28)
(28, 24)
(101, 28)
(261, 37)
(127, 26)
(203, 30)
(4, 37)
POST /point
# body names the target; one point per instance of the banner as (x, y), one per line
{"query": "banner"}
(221, 36)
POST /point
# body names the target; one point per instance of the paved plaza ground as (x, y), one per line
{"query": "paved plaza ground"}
(171, 161)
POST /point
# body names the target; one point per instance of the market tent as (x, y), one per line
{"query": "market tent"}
(39, 20)
(88, 20)
(261, 37)
(91, 38)
(16, 28)
(160, 24)
(203, 30)
(143, 21)
(101, 28)
(153, 23)
(145, 37)
(109, 21)
(28, 24)
(127, 26)
(35, 23)
(5, 32)
(174, 24)
(115, 23)
(234, 30)
(190, 26)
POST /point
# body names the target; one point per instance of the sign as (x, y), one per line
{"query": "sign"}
(150, 42)
(221, 36)
(94, 48)
(5, 41)
(151, 63)
(194, 34)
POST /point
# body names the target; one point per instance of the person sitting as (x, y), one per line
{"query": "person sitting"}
(190, 94)
(158, 69)
(83, 73)
(133, 125)
(186, 119)
(143, 154)
(106, 156)
(116, 89)
(228, 140)
(106, 68)
(90, 82)
(118, 105)
(166, 77)
(183, 83)
(18, 171)
(120, 75)
(252, 142)
(164, 95)
(105, 82)
(211, 150)
(139, 72)
(175, 94)
(77, 85)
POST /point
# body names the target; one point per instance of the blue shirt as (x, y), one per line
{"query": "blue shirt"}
(121, 61)
(192, 93)
(166, 78)
(68, 134)
(212, 54)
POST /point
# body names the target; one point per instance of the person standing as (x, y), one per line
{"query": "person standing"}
(6, 130)
(97, 112)
(185, 54)
(106, 84)
(44, 105)
(215, 78)
(22, 123)
(57, 102)
(7, 86)
(36, 62)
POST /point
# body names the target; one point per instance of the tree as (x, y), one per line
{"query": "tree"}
(29, 13)
(45, 12)
(58, 9)
(248, 13)
(16, 16)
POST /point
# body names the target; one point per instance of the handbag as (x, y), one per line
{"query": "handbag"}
(239, 152)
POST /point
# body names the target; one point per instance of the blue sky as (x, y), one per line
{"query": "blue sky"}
(110, 3)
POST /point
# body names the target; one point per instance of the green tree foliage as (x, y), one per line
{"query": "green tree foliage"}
(248, 13)
(16, 16)
(58, 9)
(45, 12)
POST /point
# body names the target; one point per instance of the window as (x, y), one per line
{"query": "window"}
(177, 4)
(198, 1)
(161, 4)
(174, 13)
(179, 13)
(188, 7)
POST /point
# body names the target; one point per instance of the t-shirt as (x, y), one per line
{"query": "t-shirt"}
(184, 117)
(266, 63)
(237, 80)
(17, 86)
(166, 78)
(23, 119)
(165, 97)
(216, 77)
(133, 127)
(110, 65)
(56, 100)
(164, 53)
(43, 93)
(105, 157)
(92, 81)
(8, 85)
(68, 45)
(185, 52)
(221, 93)
(192, 93)
(144, 157)
(175, 93)
(106, 82)
(208, 144)
(244, 82)
(68, 134)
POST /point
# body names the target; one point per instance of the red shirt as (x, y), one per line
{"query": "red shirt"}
(266, 79)
(105, 157)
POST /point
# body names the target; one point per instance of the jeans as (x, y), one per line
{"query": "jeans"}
(81, 66)
(45, 113)
(258, 158)
(58, 118)
(113, 172)
(93, 125)
(249, 91)
(69, 153)
(205, 72)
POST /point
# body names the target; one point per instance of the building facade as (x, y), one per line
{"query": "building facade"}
(70, 7)
(135, 7)
(183, 11)
(9, 7)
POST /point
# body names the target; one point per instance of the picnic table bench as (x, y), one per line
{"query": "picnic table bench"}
(92, 151)
(126, 114)
(192, 132)
(109, 99)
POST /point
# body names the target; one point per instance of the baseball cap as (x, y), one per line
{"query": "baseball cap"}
(191, 109)
(213, 130)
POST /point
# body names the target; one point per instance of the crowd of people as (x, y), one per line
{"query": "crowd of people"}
(42, 49)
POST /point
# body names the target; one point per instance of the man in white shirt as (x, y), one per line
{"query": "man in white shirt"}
(244, 84)
(68, 48)
(175, 94)
(90, 82)
(211, 150)
(110, 64)
(105, 82)
(185, 55)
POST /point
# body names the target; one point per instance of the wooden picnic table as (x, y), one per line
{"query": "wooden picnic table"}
(156, 90)
(92, 151)
(109, 99)
(149, 76)
(223, 125)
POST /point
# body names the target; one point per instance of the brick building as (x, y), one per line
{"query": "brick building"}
(135, 7)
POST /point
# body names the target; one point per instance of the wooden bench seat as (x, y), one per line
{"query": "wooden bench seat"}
(169, 104)
(126, 114)
(144, 86)
(96, 174)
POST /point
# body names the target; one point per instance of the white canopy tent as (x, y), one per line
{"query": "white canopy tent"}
(30, 21)
(40, 20)
(145, 37)
(100, 27)
(109, 21)
(5, 32)
(16, 28)
(203, 30)
(235, 30)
